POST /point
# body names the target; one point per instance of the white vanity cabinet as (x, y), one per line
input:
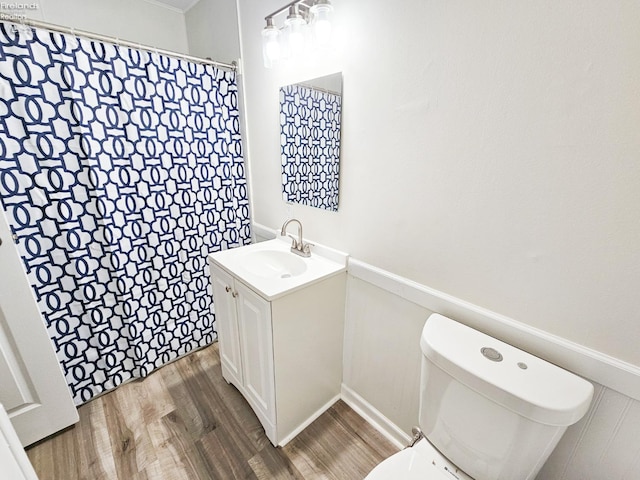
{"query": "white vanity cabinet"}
(243, 320)
(282, 352)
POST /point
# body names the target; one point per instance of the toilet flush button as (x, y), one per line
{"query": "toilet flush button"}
(491, 353)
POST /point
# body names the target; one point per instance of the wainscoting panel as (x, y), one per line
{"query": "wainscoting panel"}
(604, 444)
(382, 352)
(384, 318)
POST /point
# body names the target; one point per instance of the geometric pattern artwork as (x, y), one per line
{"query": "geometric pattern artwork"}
(120, 170)
(310, 146)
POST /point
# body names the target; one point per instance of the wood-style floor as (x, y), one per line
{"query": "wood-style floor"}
(184, 422)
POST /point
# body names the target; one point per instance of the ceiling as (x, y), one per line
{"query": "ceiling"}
(182, 5)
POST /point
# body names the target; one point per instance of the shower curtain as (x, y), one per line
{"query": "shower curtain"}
(120, 170)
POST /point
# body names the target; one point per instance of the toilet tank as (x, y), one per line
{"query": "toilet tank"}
(495, 411)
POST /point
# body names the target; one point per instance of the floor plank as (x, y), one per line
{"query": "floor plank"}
(92, 445)
(184, 422)
(273, 464)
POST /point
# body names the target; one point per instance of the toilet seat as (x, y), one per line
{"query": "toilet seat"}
(420, 462)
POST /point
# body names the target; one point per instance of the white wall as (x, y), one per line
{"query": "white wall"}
(140, 21)
(490, 151)
(212, 30)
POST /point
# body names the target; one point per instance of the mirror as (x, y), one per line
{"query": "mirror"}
(310, 120)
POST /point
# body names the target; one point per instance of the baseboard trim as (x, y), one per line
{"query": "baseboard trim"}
(376, 419)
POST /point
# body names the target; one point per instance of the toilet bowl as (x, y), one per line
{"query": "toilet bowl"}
(420, 462)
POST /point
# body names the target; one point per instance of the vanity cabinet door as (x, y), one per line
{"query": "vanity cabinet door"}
(227, 326)
(254, 319)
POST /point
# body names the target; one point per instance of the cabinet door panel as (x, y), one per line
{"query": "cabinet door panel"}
(227, 325)
(254, 317)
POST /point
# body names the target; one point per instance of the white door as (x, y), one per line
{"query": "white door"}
(227, 325)
(32, 386)
(14, 463)
(254, 320)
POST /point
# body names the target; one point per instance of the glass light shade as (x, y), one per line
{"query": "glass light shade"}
(321, 24)
(295, 29)
(271, 51)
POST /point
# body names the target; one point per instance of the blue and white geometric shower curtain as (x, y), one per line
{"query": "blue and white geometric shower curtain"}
(120, 170)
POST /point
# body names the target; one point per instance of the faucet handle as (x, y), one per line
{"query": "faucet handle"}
(306, 248)
(294, 242)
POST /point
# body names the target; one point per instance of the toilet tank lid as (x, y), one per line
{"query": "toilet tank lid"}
(517, 380)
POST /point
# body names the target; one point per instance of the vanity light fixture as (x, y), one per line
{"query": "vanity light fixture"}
(307, 25)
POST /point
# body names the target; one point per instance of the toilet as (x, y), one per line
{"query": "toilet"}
(488, 411)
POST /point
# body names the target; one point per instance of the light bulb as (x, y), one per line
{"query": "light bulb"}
(271, 51)
(296, 33)
(321, 24)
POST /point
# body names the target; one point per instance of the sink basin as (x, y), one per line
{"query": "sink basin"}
(270, 269)
(274, 264)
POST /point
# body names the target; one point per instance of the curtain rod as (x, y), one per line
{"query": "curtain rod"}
(117, 41)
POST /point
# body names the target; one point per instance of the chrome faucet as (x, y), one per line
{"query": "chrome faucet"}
(297, 246)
